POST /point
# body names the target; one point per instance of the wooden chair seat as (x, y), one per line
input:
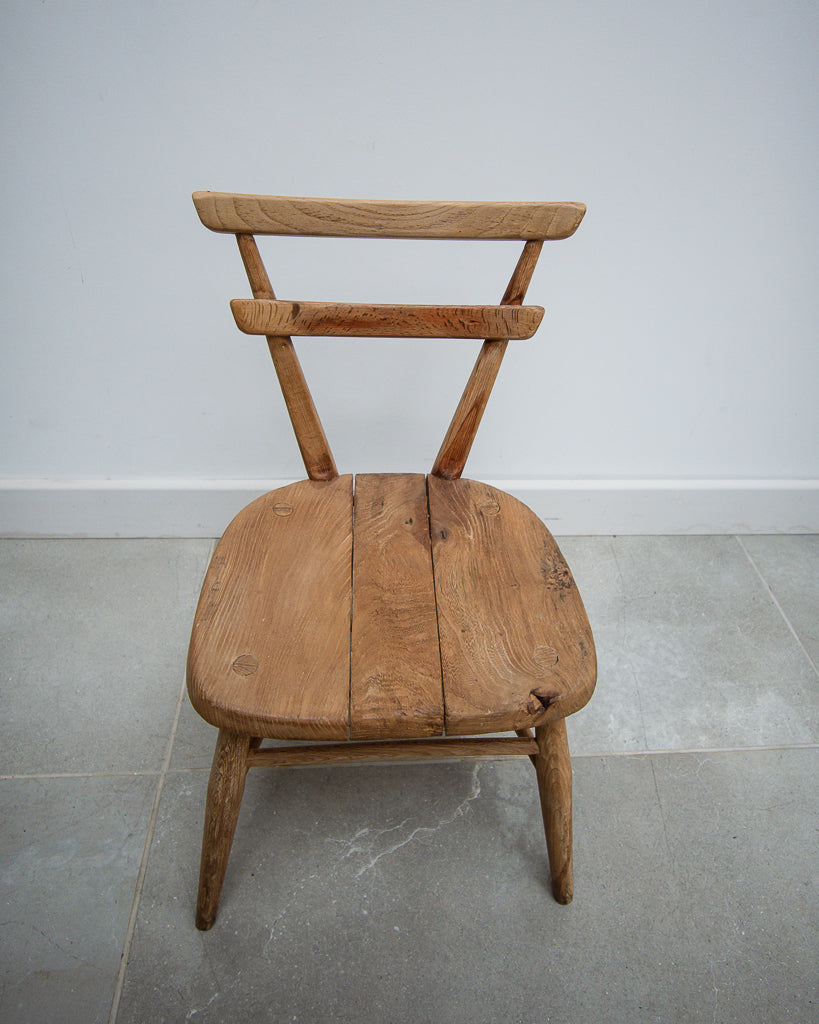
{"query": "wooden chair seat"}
(401, 608)
(387, 615)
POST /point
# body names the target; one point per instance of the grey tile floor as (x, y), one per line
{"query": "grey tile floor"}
(418, 892)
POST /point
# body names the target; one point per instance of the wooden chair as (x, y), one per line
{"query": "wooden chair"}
(394, 615)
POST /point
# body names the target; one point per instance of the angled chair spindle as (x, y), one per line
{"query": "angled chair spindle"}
(310, 436)
(387, 616)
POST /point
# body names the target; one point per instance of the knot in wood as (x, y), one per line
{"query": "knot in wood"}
(545, 656)
(245, 665)
(556, 574)
(281, 508)
(490, 508)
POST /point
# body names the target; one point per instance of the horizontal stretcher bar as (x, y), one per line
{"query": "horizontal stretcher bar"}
(361, 320)
(271, 757)
(372, 218)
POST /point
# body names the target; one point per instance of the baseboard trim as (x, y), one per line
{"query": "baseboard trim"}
(202, 508)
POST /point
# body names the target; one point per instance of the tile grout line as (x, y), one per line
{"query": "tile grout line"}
(697, 750)
(779, 607)
(623, 632)
(143, 866)
(98, 775)
(654, 752)
(78, 775)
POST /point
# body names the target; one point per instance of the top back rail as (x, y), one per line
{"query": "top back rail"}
(370, 218)
(249, 215)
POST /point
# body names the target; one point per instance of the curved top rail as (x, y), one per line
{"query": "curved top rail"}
(371, 218)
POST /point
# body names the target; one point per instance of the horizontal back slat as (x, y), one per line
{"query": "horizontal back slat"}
(369, 218)
(360, 320)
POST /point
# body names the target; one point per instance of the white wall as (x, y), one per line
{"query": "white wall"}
(679, 354)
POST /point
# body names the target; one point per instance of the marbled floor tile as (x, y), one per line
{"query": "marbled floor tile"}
(692, 651)
(70, 851)
(195, 739)
(94, 641)
(610, 722)
(790, 567)
(394, 893)
(742, 831)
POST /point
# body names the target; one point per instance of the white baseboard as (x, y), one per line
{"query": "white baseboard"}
(600, 507)
(202, 508)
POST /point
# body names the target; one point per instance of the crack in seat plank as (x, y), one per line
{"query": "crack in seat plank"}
(270, 646)
(516, 646)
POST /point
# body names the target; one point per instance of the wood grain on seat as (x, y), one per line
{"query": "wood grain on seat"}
(395, 686)
(407, 608)
(516, 647)
(270, 645)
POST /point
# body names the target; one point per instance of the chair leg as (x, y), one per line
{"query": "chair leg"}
(225, 789)
(554, 780)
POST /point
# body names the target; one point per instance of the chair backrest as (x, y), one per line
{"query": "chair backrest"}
(249, 215)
